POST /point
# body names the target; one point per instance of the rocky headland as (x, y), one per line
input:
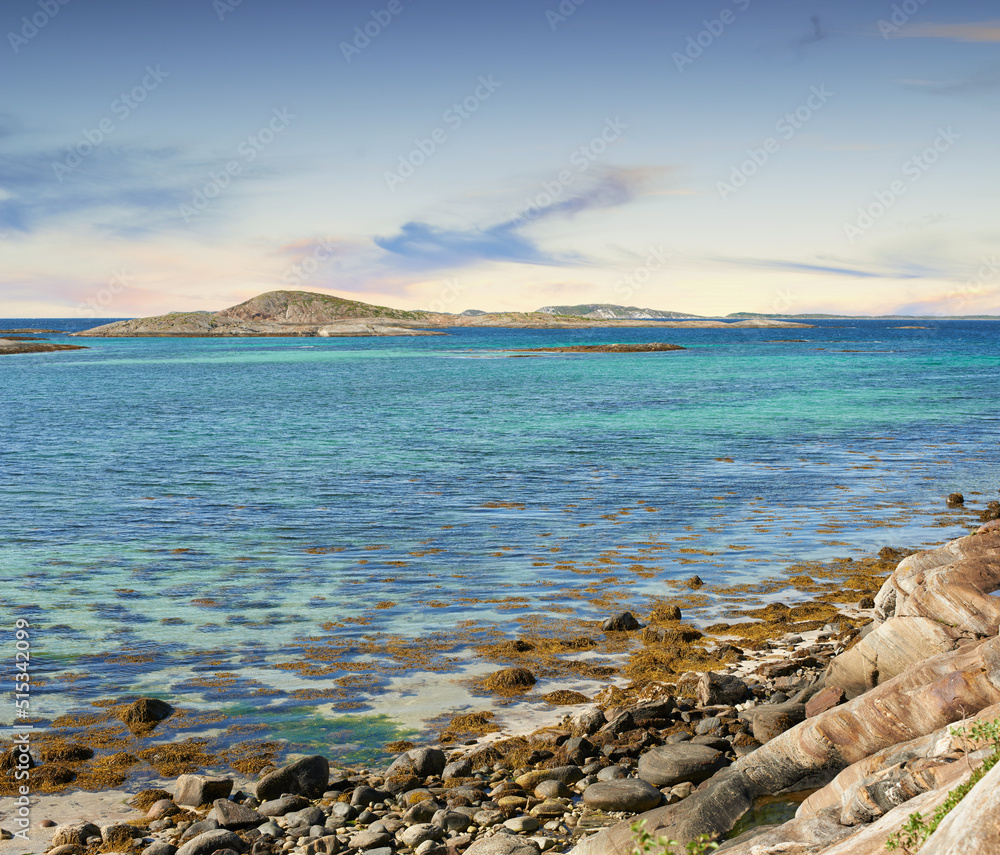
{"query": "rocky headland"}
(810, 738)
(301, 313)
(15, 344)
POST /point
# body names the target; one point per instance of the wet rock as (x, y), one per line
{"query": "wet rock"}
(210, 841)
(671, 764)
(623, 622)
(629, 794)
(195, 790)
(306, 777)
(714, 689)
(955, 499)
(773, 719)
(143, 715)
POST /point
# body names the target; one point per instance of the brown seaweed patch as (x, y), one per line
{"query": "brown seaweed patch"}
(510, 681)
(564, 697)
(145, 799)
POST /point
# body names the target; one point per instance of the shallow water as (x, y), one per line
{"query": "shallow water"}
(244, 524)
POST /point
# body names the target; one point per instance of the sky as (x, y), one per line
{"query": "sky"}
(708, 156)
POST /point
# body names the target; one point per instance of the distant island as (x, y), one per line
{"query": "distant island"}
(609, 312)
(303, 313)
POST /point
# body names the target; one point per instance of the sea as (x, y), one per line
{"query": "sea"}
(310, 540)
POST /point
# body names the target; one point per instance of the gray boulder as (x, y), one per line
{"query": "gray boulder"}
(207, 843)
(419, 762)
(628, 794)
(231, 815)
(503, 844)
(721, 689)
(306, 777)
(195, 790)
(672, 764)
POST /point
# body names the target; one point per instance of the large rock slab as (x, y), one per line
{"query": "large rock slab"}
(934, 602)
(673, 764)
(306, 777)
(974, 825)
(925, 698)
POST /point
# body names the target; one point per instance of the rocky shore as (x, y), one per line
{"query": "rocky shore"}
(823, 740)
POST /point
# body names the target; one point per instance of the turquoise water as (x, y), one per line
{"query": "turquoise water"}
(204, 507)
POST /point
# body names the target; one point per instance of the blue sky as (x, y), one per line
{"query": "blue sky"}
(710, 156)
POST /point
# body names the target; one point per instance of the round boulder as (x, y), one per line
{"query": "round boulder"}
(629, 795)
(673, 764)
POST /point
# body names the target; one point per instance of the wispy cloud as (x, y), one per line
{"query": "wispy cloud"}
(980, 81)
(891, 269)
(986, 31)
(420, 245)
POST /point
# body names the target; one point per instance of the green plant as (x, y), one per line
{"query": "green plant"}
(647, 844)
(915, 832)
